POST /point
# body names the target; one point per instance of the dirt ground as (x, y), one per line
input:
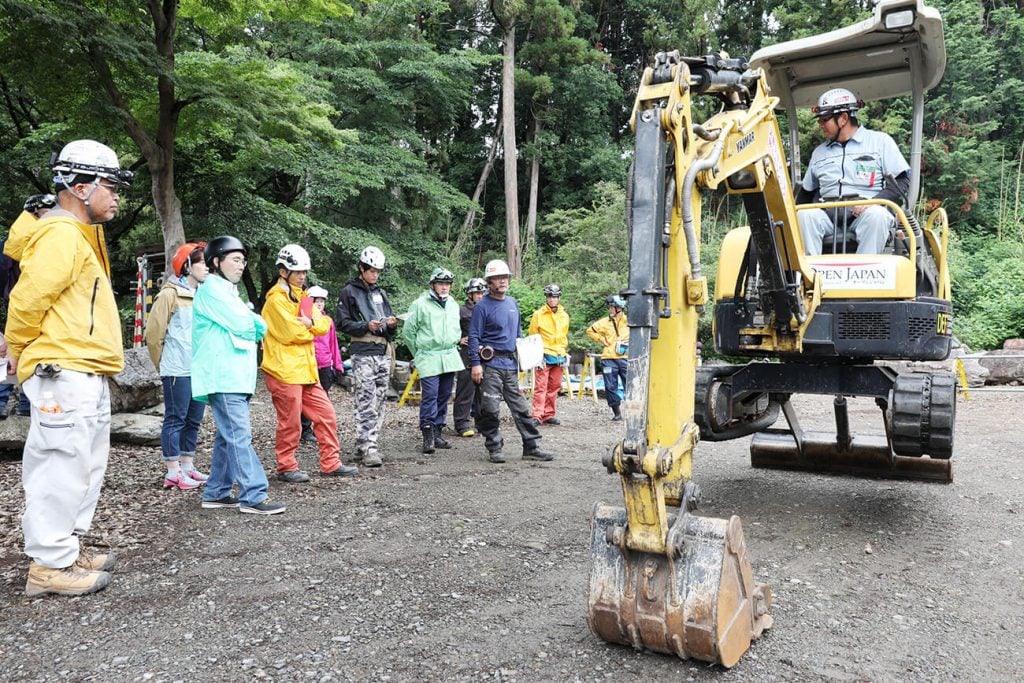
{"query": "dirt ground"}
(448, 567)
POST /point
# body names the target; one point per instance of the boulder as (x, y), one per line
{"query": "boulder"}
(1013, 345)
(1004, 366)
(136, 429)
(13, 432)
(138, 386)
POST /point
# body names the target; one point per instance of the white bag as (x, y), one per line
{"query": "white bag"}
(530, 351)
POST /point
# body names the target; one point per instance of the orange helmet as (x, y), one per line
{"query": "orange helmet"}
(180, 261)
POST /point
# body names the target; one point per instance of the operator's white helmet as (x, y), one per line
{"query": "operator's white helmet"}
(496, 268)
(293, 257)
(836, 101)
(373, 257)
(317, 292)
(88, 158)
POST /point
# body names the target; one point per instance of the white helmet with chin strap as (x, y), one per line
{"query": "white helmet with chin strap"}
(372, 257)
(835, 102)
(293, 257)
(90, 159)
(496, 268)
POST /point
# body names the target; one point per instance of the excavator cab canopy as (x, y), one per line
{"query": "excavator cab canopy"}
(897, 51)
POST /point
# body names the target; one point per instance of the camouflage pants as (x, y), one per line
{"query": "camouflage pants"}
(370, 375)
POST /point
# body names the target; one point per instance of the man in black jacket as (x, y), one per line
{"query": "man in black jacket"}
(465, 387)
(364, 314)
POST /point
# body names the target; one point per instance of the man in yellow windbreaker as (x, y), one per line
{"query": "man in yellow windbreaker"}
(291, 373)
(64, 340)
(612, 333)
(551, 322)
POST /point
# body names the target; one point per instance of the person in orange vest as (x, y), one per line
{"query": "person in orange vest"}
(551, 322)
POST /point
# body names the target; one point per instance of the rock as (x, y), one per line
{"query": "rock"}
(1013, 345)
(137, 386)
(977, 374)
(1003, 370)
(134, 428)
(13, 431)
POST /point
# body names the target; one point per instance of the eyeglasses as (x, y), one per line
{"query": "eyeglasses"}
(113, 189)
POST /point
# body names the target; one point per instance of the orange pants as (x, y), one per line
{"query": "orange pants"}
(547, 383)
(310, 400)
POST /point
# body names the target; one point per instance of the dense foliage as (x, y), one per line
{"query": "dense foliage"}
(339, 124)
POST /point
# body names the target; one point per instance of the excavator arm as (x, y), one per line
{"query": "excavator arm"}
(664, 578)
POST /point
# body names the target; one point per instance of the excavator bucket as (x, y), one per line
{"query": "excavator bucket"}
(699, 600)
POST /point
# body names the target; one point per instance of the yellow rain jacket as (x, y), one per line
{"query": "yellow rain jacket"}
(288, 353)
(62, 310)
(17, 238)
(553, 328)
(612, 334)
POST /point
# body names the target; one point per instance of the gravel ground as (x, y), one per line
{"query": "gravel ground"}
(448, 567)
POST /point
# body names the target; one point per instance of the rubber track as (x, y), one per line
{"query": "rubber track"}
(924, 414)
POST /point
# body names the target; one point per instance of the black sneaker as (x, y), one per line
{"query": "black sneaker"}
(552, 421)
(307, 436)
(496, 456)
(342, 471)
(225, 502)
(537, 454)
(293, 477)
(267, 507)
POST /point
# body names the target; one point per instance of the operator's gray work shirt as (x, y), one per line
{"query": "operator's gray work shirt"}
(858, 167)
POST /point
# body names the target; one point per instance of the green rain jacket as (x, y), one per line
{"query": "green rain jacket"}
(224, 336)
(432, 332)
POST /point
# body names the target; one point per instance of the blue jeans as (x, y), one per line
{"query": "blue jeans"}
(5, 395)
(234, 459)
(182, 417)
(434, 394)
(614, 371)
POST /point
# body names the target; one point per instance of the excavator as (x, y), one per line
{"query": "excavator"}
(662, 577)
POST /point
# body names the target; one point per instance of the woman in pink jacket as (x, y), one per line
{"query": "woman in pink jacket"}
(328, 355)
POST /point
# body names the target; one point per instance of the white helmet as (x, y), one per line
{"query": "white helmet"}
(836, 101)
(495, 268)
(88, 158)
(317, 292)
(373, 257)
(293, 257)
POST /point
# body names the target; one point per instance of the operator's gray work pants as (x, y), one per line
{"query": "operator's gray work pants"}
(872, 229)
(497, 385)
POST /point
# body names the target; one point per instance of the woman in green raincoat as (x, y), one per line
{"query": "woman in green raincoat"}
(432, 333)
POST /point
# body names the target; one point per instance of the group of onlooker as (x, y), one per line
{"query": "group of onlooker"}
(63, 340)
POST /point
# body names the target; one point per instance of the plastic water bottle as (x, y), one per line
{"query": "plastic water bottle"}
(49, 404)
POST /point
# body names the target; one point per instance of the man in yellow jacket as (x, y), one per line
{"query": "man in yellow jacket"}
(612, 333)
(291, 373)
(64, 340)
(551, 322)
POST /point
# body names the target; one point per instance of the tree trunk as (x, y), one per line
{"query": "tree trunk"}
(513, 252)
(467, 225)
(531, 211)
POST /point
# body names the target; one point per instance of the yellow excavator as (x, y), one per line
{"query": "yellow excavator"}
(663, 578)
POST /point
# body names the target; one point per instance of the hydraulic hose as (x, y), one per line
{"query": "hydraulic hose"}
(687, 208)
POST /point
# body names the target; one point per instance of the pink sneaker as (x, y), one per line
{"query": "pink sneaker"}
(196, 475)
(181, 481)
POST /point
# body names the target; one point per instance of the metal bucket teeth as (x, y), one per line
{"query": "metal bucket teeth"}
(697, 601)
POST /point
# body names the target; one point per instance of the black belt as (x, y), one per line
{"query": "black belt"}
(488, 353)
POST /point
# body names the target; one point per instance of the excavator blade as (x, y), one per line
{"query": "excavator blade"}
(864, 456)
(699, 600)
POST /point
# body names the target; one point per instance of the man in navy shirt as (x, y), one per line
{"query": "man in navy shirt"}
(493, 331)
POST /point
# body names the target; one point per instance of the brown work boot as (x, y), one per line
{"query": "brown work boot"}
(71, 580)
(93, 561)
